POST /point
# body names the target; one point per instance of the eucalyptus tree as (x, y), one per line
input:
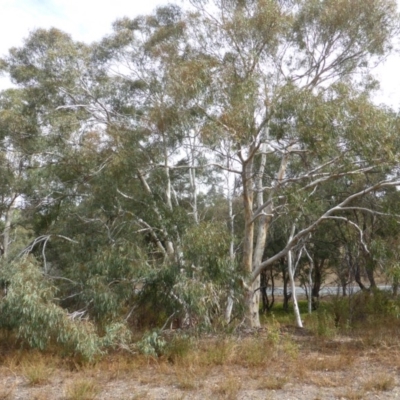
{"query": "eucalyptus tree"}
(145, 124)
(42, 69)
(289, 85)
(17, 133)
(286, 84)
(55, 112)
(276, 93)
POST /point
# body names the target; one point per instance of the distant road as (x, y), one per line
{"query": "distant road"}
(326, 290)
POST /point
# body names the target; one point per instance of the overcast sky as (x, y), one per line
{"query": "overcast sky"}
(90, 20)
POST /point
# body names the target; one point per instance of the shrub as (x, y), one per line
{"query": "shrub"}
(363, 308)
(29, 310)
(152, 344)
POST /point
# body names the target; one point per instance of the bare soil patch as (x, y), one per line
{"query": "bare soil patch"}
(294, 366)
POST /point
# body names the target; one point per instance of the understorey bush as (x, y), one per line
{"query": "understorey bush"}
(29, 309)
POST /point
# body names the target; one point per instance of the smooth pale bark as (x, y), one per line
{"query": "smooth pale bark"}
(168, 249)
(261, 237)
(296, 310)
(168, 196)
(252, 254)
(7, 226)
(229, 306)
(310, 280)
(6, 232)
(192, 179)
(248, 194)
(291, 271)
(252, 310)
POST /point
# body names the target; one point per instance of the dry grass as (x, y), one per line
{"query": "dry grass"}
(82, 389)
(7, 393)
(36, 372)
(329, 363)
(228, 388)
(41, 396)
(271, 383)
(140, 396)
(380, 383)
(351, 395)
(265, 361)
(219, 352)
(188, 380)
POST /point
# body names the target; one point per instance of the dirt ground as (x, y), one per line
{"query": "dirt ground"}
(337, 368)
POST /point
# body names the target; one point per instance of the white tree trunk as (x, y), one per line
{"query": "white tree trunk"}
(7, 226)
(296, 310)
(230, 193)
(291, 271)
(229, 307)
(310, 282)
(192, 178)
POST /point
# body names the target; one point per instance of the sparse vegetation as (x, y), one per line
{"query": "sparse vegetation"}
(82, 389)
(156, 184)
(380, 383)
(219, 367)
(228, 388)
(37, 371)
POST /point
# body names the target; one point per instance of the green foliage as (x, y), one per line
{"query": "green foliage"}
(110, 170)
(30, 310)
(363, 308)
(206, 246)
(106, 283)
(178, 347)
(152, 344)
(182, 294)
(321, 323)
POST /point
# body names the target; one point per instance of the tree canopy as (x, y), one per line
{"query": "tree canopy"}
(154, 175)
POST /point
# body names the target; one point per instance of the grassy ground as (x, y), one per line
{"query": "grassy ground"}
(325, 360)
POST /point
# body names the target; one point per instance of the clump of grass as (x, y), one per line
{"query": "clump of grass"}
(179, 347)
(271, 383)
(36, 373)
(329, 363)
(140, 396)
(187, 380)
(253, 352)
(321, 323)
(351, 395)
(41, 396)
(6, 393)
(219, 352)
(82, 390)
(380, 383)
(229, 388)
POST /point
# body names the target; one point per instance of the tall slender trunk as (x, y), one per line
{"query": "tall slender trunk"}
(168, 196)
(168, 247)
(355, 265)
(296, 310)
(229, 307)
(369, 268)
(192, 179)
(252, 300)
(310, 280)
(7, 226)
(286, 295)
(252, 254)
(262, 230)
(6, 232)
(291, 271)
(318, 275)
